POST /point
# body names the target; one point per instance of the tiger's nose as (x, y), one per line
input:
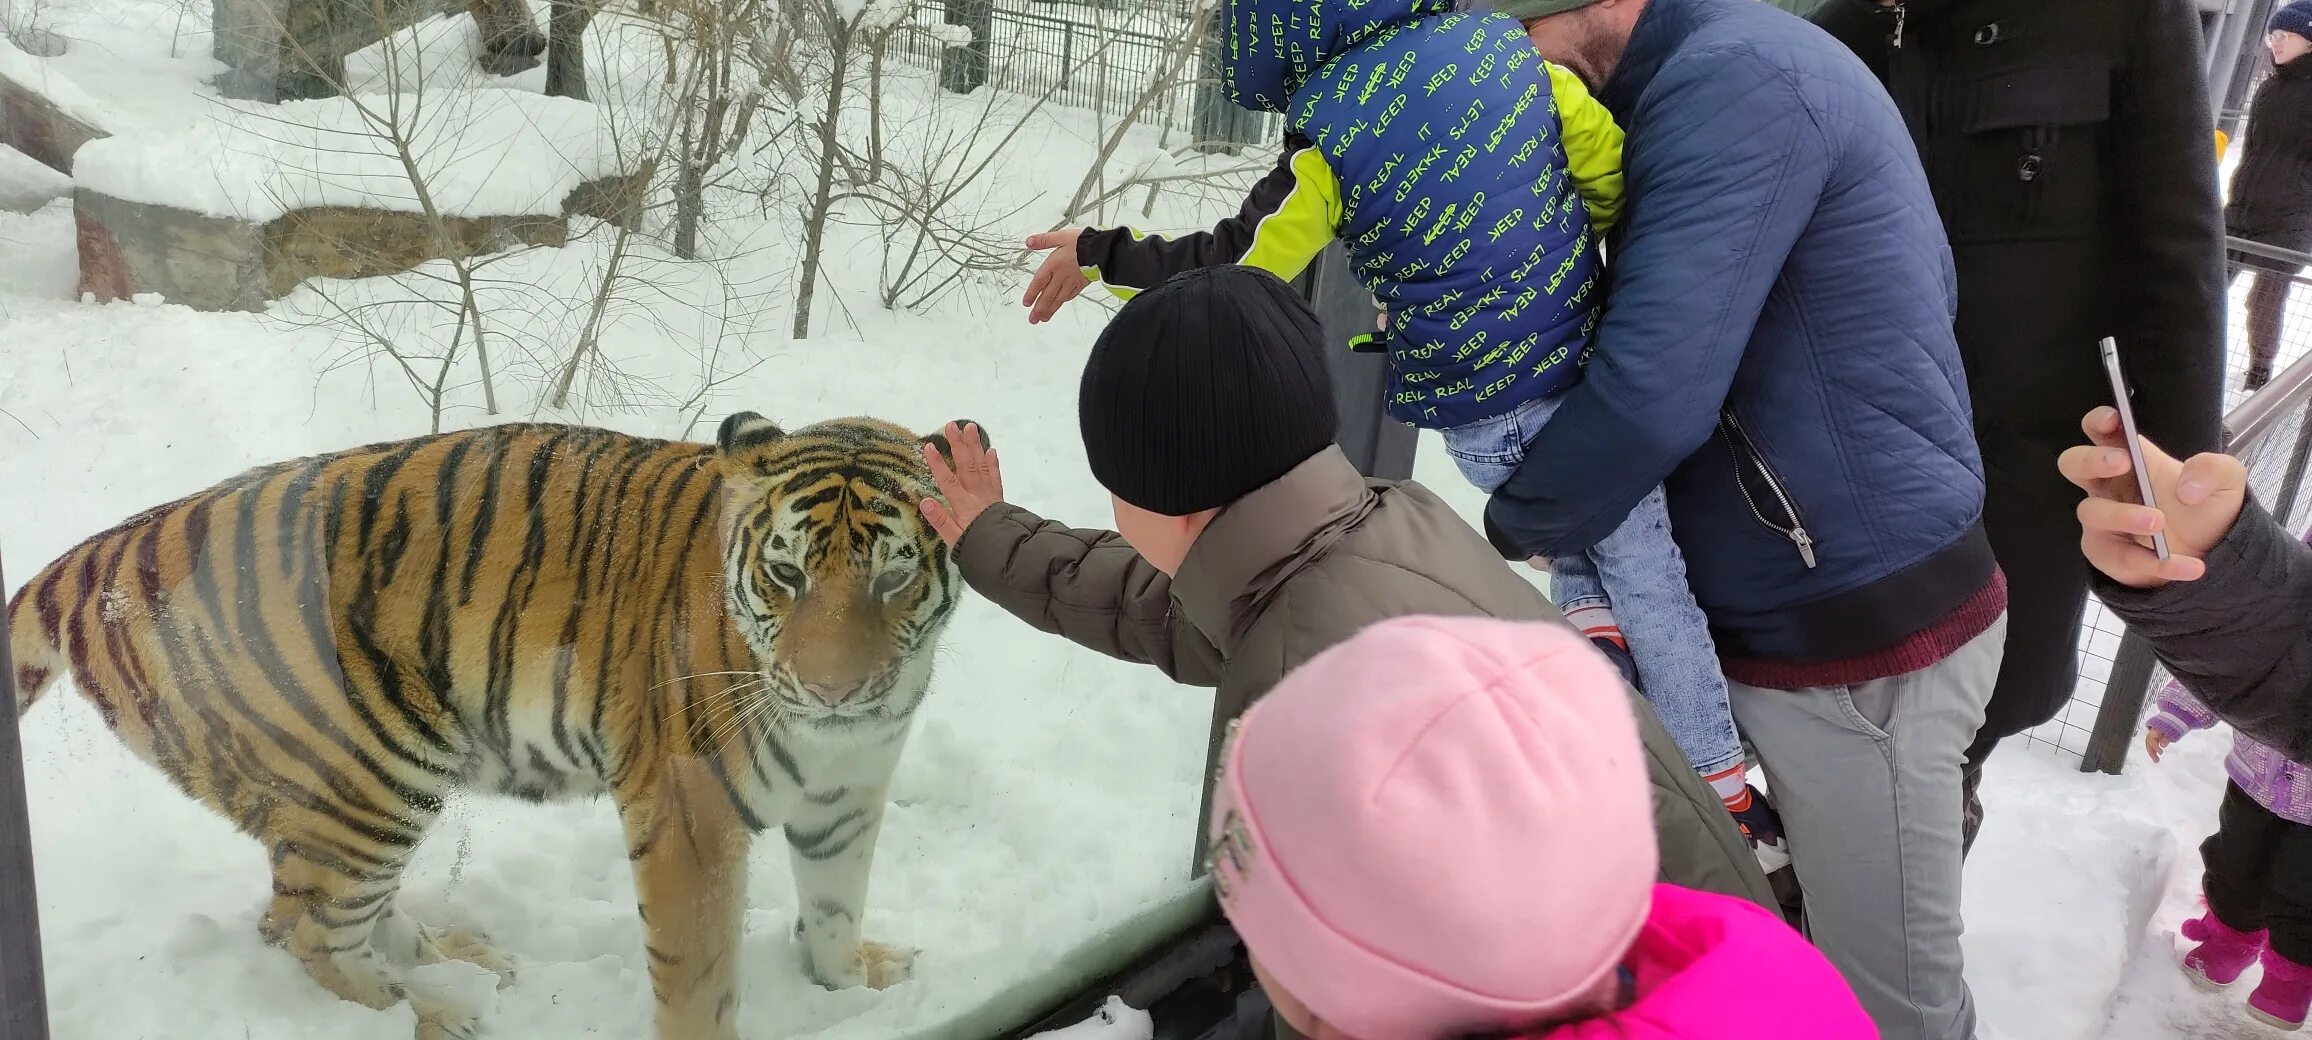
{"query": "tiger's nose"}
(832, 693)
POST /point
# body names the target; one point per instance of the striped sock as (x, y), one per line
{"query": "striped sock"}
(1732, 786)
(1598, 622)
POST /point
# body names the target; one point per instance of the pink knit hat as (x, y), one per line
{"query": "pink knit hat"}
(1439, 827)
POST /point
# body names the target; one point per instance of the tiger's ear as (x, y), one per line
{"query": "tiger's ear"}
(947, 451)
(746, 430)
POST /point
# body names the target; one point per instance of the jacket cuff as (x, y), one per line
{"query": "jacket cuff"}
(986, 548)
(2244, 552)
(1500, 539)
(1096, 247)
(2168, 726)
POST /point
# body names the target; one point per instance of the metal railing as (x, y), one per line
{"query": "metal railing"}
(2234, 56)
(2270, 430)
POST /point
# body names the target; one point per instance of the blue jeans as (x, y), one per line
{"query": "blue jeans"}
(1639, 571)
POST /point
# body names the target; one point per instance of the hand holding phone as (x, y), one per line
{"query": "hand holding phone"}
(2119, 396)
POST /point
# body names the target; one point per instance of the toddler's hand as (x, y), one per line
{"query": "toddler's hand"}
(1059, 279)
(2156, 743)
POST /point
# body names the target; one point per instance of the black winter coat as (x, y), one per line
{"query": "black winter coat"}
(2072, 154)
(2072, 157)
(2272, 189)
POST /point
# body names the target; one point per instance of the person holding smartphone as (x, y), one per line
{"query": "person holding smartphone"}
(2072, 157)
(2269, 203)
(2229, 611)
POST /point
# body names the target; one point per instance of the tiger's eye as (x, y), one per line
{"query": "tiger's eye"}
(787, 574)
(890, 583)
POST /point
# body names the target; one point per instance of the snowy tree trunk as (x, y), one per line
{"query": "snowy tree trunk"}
(875, 106)
(963, 69)
(566, 48)
(823, 195)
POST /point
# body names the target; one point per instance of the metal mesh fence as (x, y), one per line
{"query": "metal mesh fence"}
(1101, 57)
(2275, 461)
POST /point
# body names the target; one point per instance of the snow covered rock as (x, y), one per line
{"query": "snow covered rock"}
(238, 210)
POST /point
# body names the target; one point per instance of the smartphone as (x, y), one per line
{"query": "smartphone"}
(2119, 396)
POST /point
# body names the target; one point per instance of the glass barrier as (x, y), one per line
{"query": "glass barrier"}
(454, 590)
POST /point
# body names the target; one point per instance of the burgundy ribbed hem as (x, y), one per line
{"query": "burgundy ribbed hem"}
(1929, 647)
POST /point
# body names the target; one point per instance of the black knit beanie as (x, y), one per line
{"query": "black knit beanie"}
(2292, 17)
(1204, 389)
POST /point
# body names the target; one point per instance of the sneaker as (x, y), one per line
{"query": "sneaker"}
(2222, 954)
(2257, 376)
(1762, 827)
(1620, 656)
(2280, 1001)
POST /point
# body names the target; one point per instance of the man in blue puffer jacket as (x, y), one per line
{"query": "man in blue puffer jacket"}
(1777, 348)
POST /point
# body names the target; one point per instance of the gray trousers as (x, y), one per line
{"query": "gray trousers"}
(1867, 780)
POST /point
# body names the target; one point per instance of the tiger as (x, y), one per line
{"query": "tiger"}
(724, 638)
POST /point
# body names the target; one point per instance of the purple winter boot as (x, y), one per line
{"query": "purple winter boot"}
(2222, 954)
(2280, 1000)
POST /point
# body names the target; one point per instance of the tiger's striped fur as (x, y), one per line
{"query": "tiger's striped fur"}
(724, 638)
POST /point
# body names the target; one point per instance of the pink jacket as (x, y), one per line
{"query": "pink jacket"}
(1710, 967)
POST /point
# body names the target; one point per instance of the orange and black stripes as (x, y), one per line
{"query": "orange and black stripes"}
(322, 650)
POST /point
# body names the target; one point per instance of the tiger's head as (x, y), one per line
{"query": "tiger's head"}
(832, 575)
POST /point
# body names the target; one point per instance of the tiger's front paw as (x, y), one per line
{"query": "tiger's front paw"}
(476, 949)
(886, 966)
(870, 964)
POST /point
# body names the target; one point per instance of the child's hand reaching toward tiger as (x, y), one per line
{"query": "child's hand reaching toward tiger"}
(970, 484)
(1060, 279)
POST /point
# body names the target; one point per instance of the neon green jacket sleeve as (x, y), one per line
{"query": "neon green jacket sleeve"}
(1593, 146)
(1287, 219)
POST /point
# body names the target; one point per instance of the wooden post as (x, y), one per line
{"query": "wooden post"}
(963, 69)
(2124, 693)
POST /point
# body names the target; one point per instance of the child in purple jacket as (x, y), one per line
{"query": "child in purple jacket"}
(2258, 883)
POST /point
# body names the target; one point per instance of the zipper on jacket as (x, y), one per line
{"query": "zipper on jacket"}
(1739, 443)
(1902, 11)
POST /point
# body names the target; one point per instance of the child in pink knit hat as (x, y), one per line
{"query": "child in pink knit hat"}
(1441, 828)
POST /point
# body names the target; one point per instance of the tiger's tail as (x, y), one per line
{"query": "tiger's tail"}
(37, 653)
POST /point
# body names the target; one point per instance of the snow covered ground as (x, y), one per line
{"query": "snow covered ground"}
(1049, 793)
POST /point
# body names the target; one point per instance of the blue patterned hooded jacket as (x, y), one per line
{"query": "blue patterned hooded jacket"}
(1437, 146)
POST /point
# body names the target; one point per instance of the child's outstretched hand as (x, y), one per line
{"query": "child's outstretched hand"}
(1060, 279)
(2156, 744)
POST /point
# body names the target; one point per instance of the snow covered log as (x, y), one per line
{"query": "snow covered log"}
(240, 210)
(42, 114)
